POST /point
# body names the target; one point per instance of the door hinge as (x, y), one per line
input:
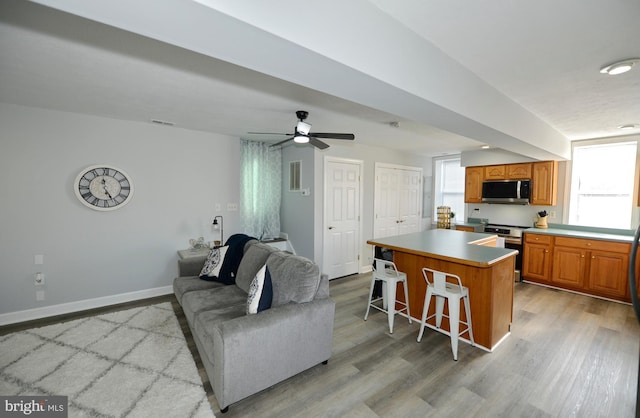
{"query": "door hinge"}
(358, 256)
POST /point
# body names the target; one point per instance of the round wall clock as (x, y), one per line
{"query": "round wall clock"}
(103, 187)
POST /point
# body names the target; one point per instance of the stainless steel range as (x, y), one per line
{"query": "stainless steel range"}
(512, 239)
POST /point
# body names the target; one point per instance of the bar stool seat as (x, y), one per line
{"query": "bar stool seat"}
(387, 272)
(442, 289)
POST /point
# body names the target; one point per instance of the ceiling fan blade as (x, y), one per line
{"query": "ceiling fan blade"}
(350, 137)
(282, 142)
(317, 143)
(267, 133)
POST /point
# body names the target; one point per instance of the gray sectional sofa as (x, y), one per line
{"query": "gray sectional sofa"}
(246, 353)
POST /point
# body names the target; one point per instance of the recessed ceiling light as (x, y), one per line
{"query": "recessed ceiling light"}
(628, 126)
(619, 67)
(485, 147)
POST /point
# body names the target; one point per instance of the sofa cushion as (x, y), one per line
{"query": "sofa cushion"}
(254, 258)
(193, 303)
(213, 264)
(182, 285)
(260, 292)
(207, 321)
(294, 278)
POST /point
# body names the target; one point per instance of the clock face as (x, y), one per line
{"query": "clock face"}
(103, 187)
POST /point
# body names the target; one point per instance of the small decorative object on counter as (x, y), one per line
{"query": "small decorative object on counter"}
(198, 244)
(444, 217)
(542, 220)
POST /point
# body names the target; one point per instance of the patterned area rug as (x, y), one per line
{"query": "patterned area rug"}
(131, 363)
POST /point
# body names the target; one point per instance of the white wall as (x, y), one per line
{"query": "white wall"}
(369, 155)
(179, 175)
(297, 211)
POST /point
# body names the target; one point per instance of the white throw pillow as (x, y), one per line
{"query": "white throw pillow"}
(213, 264)
(260, 292)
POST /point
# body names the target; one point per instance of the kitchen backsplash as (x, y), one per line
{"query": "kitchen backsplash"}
(519, 215)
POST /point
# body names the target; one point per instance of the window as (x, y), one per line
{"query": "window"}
(602, 182)
(260, 189)
(449, 186)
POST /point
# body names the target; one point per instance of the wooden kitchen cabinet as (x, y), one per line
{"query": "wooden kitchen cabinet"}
(474, 177)
(569, 267)
(495, 172)
(608, 273)
(464, 228)
(544, 183)
(595, 267)
(536, 260)
(518, 171)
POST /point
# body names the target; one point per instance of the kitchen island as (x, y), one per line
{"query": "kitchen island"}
(487, 271)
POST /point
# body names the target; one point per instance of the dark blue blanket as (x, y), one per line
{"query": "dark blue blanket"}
(233, 257)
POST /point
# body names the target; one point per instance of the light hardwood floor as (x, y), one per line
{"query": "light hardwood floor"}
(568, 355)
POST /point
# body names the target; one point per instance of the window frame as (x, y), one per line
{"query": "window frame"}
(437, 176)
(569, 181)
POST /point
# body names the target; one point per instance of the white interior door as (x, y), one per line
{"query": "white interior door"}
(386, 203)
(397, 200)
(342, 218)
(410, 201)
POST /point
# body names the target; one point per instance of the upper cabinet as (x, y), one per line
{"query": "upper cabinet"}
(474, 176)
(544, 183)
(543, 175)
(495, 172)
(518, 171)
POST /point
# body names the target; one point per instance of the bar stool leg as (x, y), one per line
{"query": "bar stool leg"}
(425, 311)
(454, 325)
(440, 310)
(366, 315)
(391, 303)
(406, 298)
(467, 309)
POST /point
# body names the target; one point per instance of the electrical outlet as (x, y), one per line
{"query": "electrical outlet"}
(39, 281)
(40, 295)
(218, 207)
(232, 207)
(552, 214)
(38, 259)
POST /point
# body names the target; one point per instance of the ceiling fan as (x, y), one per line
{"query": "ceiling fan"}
(302, 135)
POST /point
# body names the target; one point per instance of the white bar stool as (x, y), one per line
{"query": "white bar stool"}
(387, 272)
(441, 289)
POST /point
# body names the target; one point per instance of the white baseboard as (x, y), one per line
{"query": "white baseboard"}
(81, 305)
(366, 269)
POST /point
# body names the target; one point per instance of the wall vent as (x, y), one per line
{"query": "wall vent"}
(294, 176)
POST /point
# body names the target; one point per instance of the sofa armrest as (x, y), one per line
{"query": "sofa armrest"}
(254, 352)
(191, 266)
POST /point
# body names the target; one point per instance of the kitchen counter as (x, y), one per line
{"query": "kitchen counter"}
(446, 244)
(487, 271)
(619, 235)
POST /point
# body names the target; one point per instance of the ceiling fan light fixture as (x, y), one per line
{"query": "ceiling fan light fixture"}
(303, 128)
(619, 67)
(301, 138)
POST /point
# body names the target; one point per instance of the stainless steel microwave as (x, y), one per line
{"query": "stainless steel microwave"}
(515, 192)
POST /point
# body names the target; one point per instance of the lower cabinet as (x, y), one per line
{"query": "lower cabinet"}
(536, 260)
(568, 267)
(589, 266)
(608, 273)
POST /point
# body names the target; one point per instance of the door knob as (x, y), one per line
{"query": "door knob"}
(331, 227)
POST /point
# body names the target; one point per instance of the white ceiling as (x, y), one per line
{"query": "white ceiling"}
(522, 77)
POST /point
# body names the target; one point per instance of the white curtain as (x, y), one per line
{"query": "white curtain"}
(260, 189)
